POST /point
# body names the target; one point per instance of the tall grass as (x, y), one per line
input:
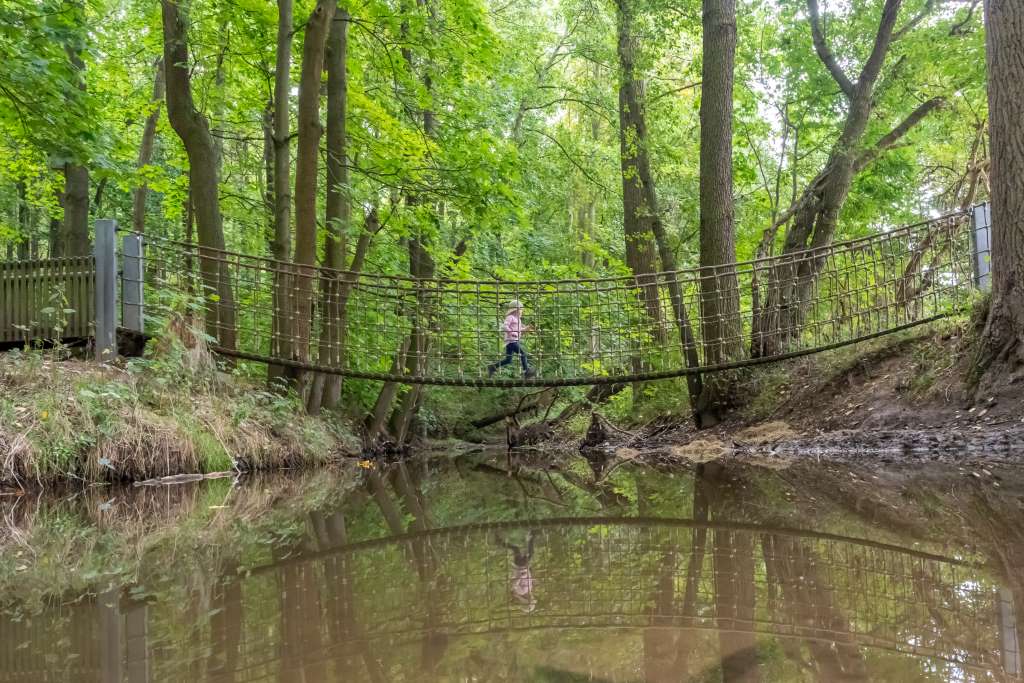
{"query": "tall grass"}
(172, 412)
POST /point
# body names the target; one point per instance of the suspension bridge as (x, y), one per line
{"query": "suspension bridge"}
(446, 330)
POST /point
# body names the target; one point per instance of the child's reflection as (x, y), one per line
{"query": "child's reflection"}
(521, 580)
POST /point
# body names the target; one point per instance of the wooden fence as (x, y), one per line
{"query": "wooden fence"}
(80, 297)
(47, 299)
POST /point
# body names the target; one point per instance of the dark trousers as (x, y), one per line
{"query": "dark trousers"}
(513, 349)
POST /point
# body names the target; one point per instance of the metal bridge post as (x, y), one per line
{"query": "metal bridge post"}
(132, 312)
(981, 240)
(106, 290)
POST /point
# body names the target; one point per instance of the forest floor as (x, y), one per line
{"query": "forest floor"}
(899, 399)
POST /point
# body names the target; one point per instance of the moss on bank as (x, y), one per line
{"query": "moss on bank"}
(171, 413)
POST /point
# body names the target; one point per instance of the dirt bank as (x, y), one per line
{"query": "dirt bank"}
(902, 398)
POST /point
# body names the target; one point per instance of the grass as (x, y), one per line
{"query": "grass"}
(172, 412)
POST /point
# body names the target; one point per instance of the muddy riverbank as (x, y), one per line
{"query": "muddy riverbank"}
(897, 401)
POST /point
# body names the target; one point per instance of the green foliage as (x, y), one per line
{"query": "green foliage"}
(523, 164)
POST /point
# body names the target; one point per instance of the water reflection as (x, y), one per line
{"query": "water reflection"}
(461, 573)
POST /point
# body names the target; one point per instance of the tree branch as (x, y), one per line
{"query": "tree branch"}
(873, 65)
(824, 53)
(569, 157)
(918, 18)
(958, 28)
(890, 139)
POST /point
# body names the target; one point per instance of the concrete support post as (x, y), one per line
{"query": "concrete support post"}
(981, 241)
(132, 313)
(106, 290)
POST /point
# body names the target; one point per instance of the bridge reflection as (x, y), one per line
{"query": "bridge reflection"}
(639, 598)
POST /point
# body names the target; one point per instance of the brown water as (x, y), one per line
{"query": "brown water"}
(453, 571)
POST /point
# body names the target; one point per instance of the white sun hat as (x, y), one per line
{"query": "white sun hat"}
(515, 305)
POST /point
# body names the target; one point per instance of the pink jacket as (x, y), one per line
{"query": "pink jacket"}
(513, 328)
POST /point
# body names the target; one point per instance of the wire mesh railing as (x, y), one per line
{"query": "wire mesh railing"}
(450, 331)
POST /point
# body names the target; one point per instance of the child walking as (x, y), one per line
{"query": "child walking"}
(513, 330)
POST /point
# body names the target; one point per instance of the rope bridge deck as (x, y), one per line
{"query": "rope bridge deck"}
(446, 331)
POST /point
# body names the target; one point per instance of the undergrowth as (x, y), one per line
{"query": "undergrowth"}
(930, 364)
(172, 412)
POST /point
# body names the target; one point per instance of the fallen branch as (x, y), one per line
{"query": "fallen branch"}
(522, 407)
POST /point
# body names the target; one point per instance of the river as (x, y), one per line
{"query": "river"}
(450, 568)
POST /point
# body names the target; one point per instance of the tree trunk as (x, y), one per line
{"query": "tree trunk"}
(267, 124)
(76, 210)
(281, 248)
(421, 265)
(326, 389)
(721, 328)
(586, 213)
(56, 243)
(1001, 353)
(140, 193)
(24, 223)
(637, 211)
(76, 185)
(307, 176)
(194, 130)
(377, 418)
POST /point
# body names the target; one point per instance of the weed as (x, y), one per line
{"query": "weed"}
(172, 412)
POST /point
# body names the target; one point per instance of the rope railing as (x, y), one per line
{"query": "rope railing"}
(447, 331)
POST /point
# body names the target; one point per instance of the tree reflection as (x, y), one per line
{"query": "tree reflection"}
(707, 577)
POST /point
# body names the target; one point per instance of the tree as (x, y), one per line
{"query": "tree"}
(326, 389)
(204, 183)
(1001, 353)
(75, 229)
(638, 207)
(721, 328)
(281, 246)
(812, 220)
(307, 174)
(146, 149)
